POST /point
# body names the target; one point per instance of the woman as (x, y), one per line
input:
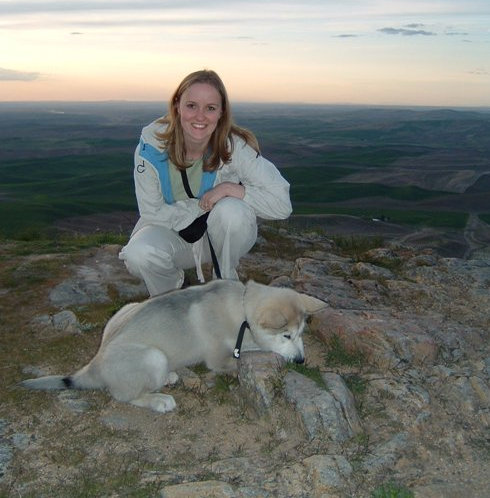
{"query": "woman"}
(197, 143)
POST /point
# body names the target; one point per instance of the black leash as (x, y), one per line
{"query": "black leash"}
(214, 258)
(189, 193)
(217, 271)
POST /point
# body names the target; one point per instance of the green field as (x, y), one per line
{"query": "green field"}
(328, 188)
(485, 218)
(63, 160)
(37, 192)
(419, 218)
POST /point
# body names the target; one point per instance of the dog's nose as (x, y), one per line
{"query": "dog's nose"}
(299, 360)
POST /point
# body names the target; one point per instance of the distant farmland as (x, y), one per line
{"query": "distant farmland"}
(60, 160)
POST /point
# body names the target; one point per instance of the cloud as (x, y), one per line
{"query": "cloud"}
(406, 32)
(13, 75)
(346, 35)
(479, 72)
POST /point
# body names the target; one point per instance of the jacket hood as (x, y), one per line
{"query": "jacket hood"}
(148, 134)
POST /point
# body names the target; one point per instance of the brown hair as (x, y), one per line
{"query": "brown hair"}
(221, 141)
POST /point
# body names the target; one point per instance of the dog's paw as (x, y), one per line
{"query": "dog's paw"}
(163, 403)
(156, 401)
(172, 379)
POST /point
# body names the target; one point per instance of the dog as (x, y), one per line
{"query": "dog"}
(143, 344)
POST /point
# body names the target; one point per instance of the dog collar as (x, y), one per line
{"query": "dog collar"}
(241, 333)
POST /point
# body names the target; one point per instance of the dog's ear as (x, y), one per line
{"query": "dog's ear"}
(272, 319)
(312, 304)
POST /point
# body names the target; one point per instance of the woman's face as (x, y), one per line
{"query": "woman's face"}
(199, 110)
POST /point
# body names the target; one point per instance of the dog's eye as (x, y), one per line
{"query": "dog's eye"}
(287, 336)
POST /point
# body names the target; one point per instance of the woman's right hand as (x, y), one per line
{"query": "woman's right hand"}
(225, 189)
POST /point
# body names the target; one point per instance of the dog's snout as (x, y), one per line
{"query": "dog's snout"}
(299, 360)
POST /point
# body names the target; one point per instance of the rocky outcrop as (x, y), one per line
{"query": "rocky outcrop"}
(97, 281)
(403, 359)
(325, 410)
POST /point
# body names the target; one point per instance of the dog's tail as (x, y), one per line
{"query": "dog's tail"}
(83, 379)
(48, 383)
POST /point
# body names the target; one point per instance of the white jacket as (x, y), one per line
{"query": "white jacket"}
(266, 191)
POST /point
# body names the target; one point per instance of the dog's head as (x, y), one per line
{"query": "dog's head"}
(277, 318)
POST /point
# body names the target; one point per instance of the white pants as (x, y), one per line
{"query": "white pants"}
(159, 256)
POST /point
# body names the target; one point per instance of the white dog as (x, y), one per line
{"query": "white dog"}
(144, 343)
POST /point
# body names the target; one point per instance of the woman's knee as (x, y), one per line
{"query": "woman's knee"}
(232, 213)
(134, 255)
(140, 257)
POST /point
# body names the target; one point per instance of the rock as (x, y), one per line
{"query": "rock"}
(233, 468)
(373, 272)
(251, 492)
(317, 278)
(78, 291)
(481, 390)
(93, 281)
(291, 481)
(116, 421)
(344, 397)
(468, 394)
(385, 340)
(422, 260)
(258, 373)
(71, 400)
(329, 474)
(415, 397)
(444, 490)
(316, 476)
(386, 454)
(66, 321)
(319, 410)
(6, 452)
(42, 322)
(202, 489)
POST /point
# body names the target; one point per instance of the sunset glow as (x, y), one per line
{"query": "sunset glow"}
(416, 52)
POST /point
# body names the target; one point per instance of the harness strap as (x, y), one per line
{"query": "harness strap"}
(185, 181)
(239, 340)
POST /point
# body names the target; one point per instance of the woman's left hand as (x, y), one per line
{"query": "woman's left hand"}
(225, 189)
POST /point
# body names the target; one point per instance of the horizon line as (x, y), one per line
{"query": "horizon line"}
(257, 103)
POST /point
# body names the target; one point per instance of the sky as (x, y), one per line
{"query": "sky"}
(373, 52)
